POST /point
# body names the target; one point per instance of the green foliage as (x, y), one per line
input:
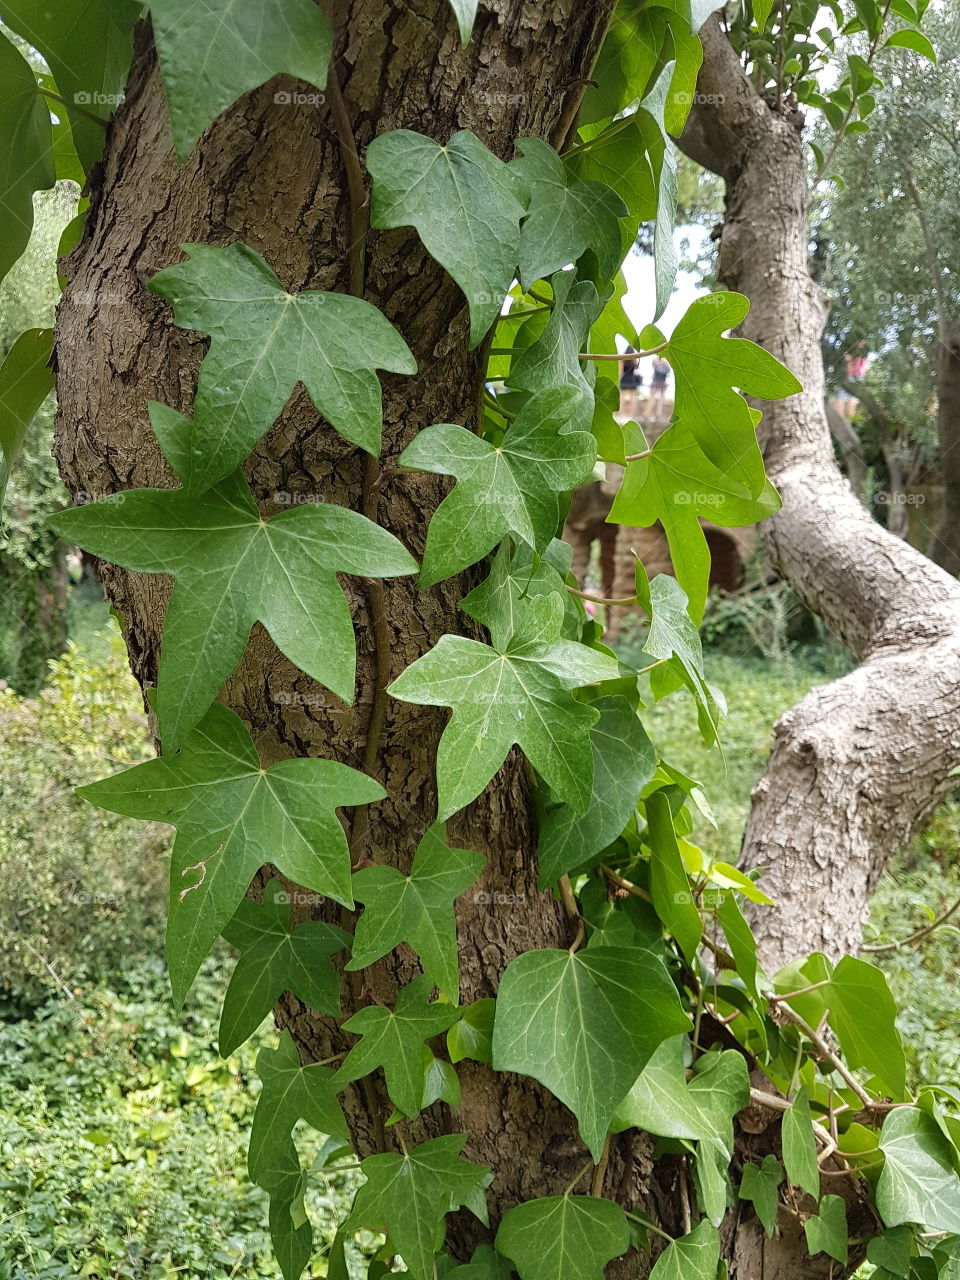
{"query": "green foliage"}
(82, 888)
(605, 1022)
(26, 160)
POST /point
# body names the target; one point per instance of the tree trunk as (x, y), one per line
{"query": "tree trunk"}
(271, 175)
(946, 543)
(857, 764)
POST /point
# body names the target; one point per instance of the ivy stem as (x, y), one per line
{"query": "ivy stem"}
(74, 106)
(600, 1172)
(637, 457)
(645, 1222)
(621, 356)
(359, 202)
(491, 403)
(570, 1185)
(803, 991)
(540, 297)
(627, 885)
(585, 595)
(826, 1052)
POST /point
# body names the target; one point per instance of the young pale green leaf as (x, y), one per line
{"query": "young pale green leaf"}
(520, 695)
(563, 1236)
(26, 380)
(465, 204)
(630, 56)
(565, 216)
(290, 1092)
(416, 909)
(554, 359)
(275, 957)
(393, 1039)
(669, 884)
(918, 1182)
(584, 1025)
(828, 1232)
(263, 341)
(213, 53)
(465, 12)
(502, 601)
(232, 817)
(87, 46)
(409, 1196)
(799, 1145)
(863, 1014)
(510, 488)
(664, 1103)
(740, 940)
(26, 157)
(232, 569)
(693, 1257)
(471, 1036)
(674, 637)
(708, 367)
(759, 1186)
(623, 763)
(677, 485)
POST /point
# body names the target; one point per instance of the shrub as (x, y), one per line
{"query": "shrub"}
(82, 888)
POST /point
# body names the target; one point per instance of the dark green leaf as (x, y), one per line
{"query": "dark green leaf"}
(275, 958)
(510, 488)
(914, 40)
(26, 380)
(828, 1232)
(26, 158)
(563, 1236)
(863, 1015)
(233, 569)
(520, 695)
(584, 1025)
(263, 340)
(918, 1182)
(393, 1039)
(213, 53)
(465, 205)
(416, 909)
(669, 884)
(232, 817)
(799, 1145)
(694, 1257)
(409, 1196)
(759, 1186)
(472, 1035)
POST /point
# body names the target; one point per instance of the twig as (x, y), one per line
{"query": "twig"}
(826, 1052)
(917, 936)
(600, 1172)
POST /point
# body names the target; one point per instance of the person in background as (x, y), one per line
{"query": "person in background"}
(661, 370)
(631, 380)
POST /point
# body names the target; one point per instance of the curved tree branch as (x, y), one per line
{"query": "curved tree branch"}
(857, 764)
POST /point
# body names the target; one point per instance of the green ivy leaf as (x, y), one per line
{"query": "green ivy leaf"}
(673, 636)
(502, 601)
(416, 909)
(520, 695)
(471, 1036)
(213, 53)
(408, 1196)
(759, 1186)
(465, 205)
(512, 487)
(694, 1257)
(393, 1039)
(707, 367)
(740, 940)
(275, 957)
(828, 1232)
(630, 56)
(918, 1182)
(669, 883)
(565, 216)
(892, 1250)
(232, 817)
(26, 379)
(484, 1265)
(677, 485)
(554, 359)
(26, 159)
(664, 1103)
(712, 1179)
(233, 569)
(623, 762)
(440, 1082)
(583, 1025)
(863, 1014)
(563, 1236)
(263, 341)
(799, 1145)
(290, 1092)
(87, 45)
(465, 12)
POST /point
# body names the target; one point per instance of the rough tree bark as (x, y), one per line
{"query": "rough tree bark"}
(858, 764)
(947, 540)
